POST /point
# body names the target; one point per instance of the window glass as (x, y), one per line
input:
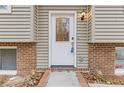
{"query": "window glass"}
(119, 58)
(5, 8)
(7, 59)
(62, 29)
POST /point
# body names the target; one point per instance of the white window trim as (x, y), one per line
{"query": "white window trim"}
(8, 72)
(6, 11)
(8, 47)
(119, 48)
(118, 72)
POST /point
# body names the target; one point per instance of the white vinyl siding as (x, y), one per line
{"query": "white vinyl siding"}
(34, 23)
(16, 26)
(89, 23)
(109, 23)
(42, 35)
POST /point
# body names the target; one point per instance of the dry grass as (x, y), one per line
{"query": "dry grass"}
(3, 79)
(31, 80)
(103, 79)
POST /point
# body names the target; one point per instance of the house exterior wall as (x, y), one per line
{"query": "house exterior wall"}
(102, 57)
(42, 35)
(34, 35)
(89, 22)
(97, 35)
(107, 33)
(17, 26)
(108, 23)
(25, 56)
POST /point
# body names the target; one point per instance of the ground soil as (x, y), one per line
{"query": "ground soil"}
(105, 79)
(31, 80)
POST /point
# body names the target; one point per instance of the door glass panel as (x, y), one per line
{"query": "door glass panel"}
(62, 29)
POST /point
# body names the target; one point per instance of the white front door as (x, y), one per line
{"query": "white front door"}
(62, 39)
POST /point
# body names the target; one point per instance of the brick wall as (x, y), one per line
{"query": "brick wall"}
(102, 56)
(25, 57)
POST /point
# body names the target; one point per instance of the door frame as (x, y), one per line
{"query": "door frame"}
(49, 32)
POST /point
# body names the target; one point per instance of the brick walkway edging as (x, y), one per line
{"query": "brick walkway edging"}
(81, 79)
(43, 81)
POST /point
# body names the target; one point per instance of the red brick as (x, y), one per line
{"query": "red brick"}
(81, 79)
(44, 79)
(25, 56)
(102, 56)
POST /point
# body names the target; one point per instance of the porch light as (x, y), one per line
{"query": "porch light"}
(82, 15)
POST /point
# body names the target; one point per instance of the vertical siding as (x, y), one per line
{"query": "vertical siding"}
(16, 26)
(109, 23)
(89, 15)
(42, 35)
(35, 23)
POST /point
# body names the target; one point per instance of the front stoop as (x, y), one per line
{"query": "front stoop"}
(44, 79)
(81, 79)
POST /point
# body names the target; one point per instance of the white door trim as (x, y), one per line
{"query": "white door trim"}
(50, 48)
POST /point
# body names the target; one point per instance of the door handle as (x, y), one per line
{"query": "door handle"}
(72, 38)
(72, 47)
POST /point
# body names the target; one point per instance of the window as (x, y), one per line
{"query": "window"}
(5, 9)
(62, 29)
(119, 64)
(7, 59)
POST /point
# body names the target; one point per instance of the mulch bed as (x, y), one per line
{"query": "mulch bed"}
(3, 79)
(103, 79)
(35, 79)
(31, 80)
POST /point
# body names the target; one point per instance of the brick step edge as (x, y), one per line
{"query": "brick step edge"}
(43, 81)
(81, 79)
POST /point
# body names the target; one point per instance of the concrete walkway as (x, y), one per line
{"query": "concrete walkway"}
(63, 79)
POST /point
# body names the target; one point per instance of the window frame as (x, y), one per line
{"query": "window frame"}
(118, 71)
(8, 72)
(6, 11)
